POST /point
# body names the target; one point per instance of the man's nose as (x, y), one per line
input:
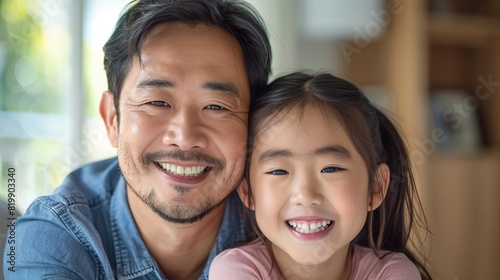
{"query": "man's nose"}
(185, 129)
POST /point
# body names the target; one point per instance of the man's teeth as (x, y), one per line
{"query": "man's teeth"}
(309, 227)
(190, 171)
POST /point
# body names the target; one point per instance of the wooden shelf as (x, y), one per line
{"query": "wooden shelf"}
(422, 52)
(483, 155)
(462, 211)
(462, 30)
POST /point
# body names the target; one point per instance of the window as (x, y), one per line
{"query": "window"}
(51, 79)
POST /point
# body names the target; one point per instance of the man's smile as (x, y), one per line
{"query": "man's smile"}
(187, 171)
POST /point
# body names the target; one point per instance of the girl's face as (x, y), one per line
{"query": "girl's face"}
(310, 188)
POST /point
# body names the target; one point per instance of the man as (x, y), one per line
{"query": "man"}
(181, 75)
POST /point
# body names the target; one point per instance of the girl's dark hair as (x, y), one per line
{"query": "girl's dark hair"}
(236, 17)
(375, 138)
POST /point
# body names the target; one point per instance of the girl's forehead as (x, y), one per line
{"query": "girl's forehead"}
(308, 116)
(303, 136)
(307, 122)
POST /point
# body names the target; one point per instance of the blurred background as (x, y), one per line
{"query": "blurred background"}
(435, 65)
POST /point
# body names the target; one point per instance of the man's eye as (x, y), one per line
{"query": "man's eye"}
(159, 103)
(215, 107)
(277, 172)
(331, 169)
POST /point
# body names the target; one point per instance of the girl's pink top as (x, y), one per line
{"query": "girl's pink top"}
(253, 261)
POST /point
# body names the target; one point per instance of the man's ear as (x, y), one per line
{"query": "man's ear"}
(381, 184)
(108, 115)
(243, 192)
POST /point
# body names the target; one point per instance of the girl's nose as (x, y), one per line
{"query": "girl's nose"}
(307, 193)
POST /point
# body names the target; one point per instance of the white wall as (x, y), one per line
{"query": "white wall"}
(292, 50)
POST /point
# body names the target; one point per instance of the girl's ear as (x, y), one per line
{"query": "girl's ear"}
(382, 178)
(243, 192)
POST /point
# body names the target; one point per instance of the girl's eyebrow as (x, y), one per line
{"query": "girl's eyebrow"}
(335, 150)
(272, 154)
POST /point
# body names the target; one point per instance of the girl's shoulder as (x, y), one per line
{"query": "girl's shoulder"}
(251, 261)
(256, 252)
(366, 264)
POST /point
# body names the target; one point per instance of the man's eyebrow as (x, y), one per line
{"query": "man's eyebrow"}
(229, 88)
(335, 150)
(272, 154)
(156, 83)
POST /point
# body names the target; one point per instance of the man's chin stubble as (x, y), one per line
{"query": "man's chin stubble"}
(179, 214)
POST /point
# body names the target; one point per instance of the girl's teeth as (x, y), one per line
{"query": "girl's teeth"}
(304, 227)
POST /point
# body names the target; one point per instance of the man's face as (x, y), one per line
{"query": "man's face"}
(182, 132)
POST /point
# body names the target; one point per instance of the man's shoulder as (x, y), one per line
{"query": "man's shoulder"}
(82, 197)
(75, 217)
(90, 184)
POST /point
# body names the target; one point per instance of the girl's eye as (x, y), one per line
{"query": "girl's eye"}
(277, 172)
(159, 103)
(331, 169)
(215, 107)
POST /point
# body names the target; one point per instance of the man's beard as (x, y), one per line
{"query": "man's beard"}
(180, 214)
(186, 214)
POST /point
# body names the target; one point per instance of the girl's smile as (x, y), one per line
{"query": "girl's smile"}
(306, 229)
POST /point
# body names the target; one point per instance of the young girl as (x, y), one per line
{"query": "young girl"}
(331, 186)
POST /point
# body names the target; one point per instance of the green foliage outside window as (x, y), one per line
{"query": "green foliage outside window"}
(34, 59)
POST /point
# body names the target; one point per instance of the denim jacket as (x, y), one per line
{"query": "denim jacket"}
(85, 230)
